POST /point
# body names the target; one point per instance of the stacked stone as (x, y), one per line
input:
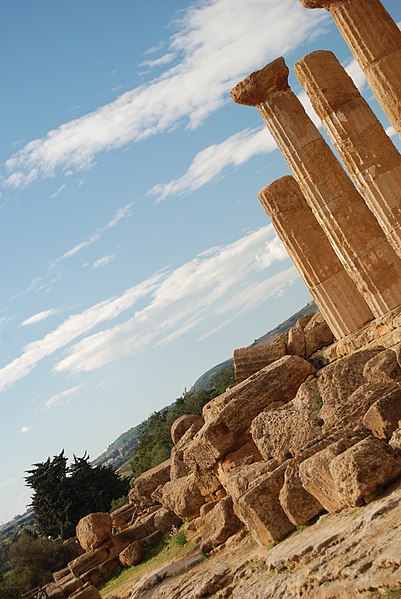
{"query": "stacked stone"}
(375, 41)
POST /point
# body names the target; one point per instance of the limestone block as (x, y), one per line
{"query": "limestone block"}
(93, 577)
(277, 382)
(89, 560)
(147, 482)
(61, 574)
(110, 568)
(317, 334)
(88, 591)
(361, 470)
(165, 520)
(70, 584)
(121, 517)
(219, 524)
(245, 455)
(120, 541)
(395, 441)
(74, 546)
(260, 509)
(296, 341)
(94, 529)
(54, 591)
(248, 360)
(298, 505)
(182, 424)
(339, 380)
(383, 416)
(316, 476)
(132, 555)
(183, 497)
(383, 368)
(240, 480)
(285, 431)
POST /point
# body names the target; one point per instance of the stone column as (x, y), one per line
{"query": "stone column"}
(352, 229)
(334, 292)
(371, 158)
(375, 41)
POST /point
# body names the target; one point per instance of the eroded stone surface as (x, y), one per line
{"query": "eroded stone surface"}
(182, 424)
(148, 482)
(218, 524)
(94, 529)
(132, 555)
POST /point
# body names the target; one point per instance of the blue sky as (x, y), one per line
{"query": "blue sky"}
(135, 252)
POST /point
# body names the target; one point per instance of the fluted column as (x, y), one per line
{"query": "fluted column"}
(375, 41)
(371, 158)
(334, 292)
(353, 231)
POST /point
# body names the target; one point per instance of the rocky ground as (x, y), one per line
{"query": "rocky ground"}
(354, 554)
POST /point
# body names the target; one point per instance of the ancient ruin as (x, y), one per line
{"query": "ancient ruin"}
(312, 428)
(375, 41)
(352, 229)
(371, 158)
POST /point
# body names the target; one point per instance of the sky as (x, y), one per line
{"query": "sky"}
(135, 253)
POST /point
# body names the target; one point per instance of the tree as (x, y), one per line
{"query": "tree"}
(63, 495)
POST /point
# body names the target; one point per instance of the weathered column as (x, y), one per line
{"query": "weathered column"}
(334, 292)
(352, 229)
(371, 158)
(375, 41)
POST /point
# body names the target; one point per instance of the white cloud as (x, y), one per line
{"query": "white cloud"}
(59, 190)
(209, 163)
(72, 328)
(157, 62)
(61, 397)
(218, 280)
(103, 261)
(190, 294)
(391, 132)
(218, 42)
(120, 214)
(39, 317)
(26, 429)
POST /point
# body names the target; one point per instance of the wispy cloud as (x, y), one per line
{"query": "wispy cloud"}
(190, 294)
(39, 317)
(157, 62)
(120, 214)
(210, 163)
(26, 429)
(103, 261)
(72, 328)
(62, 397)
(217, 42)
(59, 190)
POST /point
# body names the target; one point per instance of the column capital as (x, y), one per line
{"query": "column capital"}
(258, 86)
(320, 3)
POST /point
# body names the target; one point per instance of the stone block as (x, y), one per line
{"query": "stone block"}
(182, 424)
(88, 591)
(93, 577)
(260, 509)
(383, 368)
(61, 574)
(245, 455)
(298, 505)
(110, 568)
(383, 416)
(360, 471)
(219, 524)
(316, 476)
(183, 497)
(94, 529)
(165, 520)
(136, 532)
(148, 482)
(132, 555)
(317, 334)
(121, 518)
(248, 360)
(54, 591)
(284, 432)
(70, 584)
(88, 560)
